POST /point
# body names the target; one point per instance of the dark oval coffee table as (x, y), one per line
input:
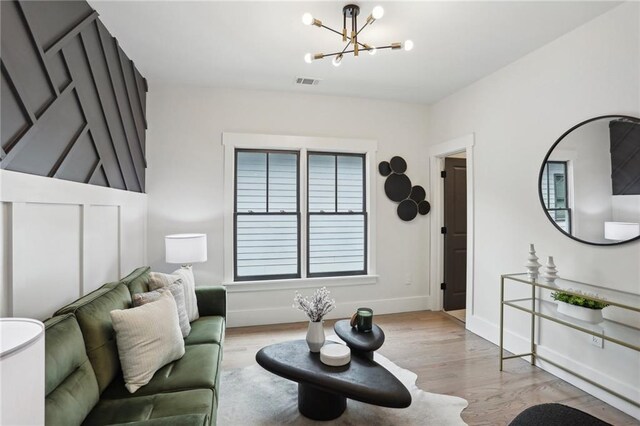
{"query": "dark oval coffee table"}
(323, 390)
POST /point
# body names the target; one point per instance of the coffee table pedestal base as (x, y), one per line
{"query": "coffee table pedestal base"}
(320, 405)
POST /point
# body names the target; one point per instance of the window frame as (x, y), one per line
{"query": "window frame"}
(297, 213)
(336, 212)
(567, 209)
(303, 144)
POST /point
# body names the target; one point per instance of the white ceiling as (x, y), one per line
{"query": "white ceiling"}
(261, 45)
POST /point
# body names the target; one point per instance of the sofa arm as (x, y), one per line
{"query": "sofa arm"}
(212, 300)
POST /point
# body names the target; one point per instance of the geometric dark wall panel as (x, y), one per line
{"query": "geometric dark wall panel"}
(73, 103)
(625, 157)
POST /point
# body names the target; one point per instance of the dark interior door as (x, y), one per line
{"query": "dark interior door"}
(455, 238)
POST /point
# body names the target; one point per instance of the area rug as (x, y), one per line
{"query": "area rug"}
(253, 396)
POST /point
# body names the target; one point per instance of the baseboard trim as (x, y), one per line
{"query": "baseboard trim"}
(595, 375)
(515, 343)
(287, 314)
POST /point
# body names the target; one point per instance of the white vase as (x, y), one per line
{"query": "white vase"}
(593, 316)
(532, 264)
(549, 272)
(315, 335)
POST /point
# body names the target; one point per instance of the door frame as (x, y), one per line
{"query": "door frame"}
(437, 153)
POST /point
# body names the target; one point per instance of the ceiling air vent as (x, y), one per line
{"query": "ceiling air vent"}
(307, 81)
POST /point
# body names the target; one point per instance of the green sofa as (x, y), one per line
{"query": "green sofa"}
(84, 383)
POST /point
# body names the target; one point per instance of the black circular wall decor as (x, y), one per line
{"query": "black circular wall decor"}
(397, 187)
(384, 168)
(424, 207)
(398, 165)
(417, 194)
(407, 210)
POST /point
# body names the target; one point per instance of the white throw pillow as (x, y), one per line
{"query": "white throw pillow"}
(159, 280)
(177, 291)
(186, 275)
(148, 337)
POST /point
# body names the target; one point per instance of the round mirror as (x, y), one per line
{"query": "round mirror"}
(589, 183)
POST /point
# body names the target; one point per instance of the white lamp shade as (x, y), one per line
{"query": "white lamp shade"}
(185, 248)
(621, 231)
(22, 366)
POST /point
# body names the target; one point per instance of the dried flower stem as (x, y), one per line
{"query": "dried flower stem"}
(316, 308)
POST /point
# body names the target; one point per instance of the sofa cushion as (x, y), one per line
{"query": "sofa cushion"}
(148, 338)
(92, 313)
(71, 388)
(139, 408)
(206, 330)
(159, 280)
(140, 299)
(138, 280)
(189, 285)
(198, 368)
(181, 420)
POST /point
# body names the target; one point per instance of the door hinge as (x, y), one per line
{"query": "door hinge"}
(443, 174)
(443, 230)
(443, 286)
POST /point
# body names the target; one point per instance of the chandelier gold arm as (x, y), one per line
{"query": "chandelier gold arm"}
(354, 37)
(342, 52)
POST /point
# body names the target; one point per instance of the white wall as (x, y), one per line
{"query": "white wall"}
(626, 208)
(5, 288)
(516, 114)
(185, 186)
(61, 240)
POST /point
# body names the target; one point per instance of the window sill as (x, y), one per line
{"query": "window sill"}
(299, 283)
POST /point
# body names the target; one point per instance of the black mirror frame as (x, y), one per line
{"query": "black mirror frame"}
(544, 161)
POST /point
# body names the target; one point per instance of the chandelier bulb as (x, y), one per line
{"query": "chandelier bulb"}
(407, 45)
(337, 61)
(372, 51)
(307, 19)
(308, 58)
(378, 12)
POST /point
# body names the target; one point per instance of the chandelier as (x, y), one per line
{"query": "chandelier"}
(351, 39)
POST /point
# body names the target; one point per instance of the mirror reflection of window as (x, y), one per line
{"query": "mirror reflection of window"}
(589, 181)
(555, 193)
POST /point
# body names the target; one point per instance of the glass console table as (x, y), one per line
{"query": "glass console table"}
(608, 330)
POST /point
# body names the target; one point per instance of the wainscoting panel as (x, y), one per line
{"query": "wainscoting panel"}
(133, 235)
(46, 257)
(64, 239)
(102, 245)
(73, 103)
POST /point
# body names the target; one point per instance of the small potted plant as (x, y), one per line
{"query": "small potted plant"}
(579, 305)
(316, 308)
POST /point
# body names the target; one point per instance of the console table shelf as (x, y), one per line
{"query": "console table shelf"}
(608, 330)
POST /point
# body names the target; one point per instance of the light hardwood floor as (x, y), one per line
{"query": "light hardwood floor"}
(447, 359)
(458, 314)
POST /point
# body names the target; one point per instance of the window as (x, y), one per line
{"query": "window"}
(267, 215)
(337, 221)
(555, 193)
